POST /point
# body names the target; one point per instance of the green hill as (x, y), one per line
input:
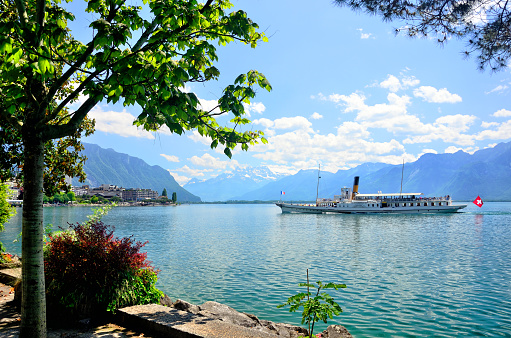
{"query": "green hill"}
(106, 166)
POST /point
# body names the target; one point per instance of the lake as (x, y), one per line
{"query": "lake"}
(407, 275)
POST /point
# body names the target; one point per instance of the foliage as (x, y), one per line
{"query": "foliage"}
(62, 157)
(6, 210)
(164, 192)
(321, 307)
(88, 270)
(174, 197)
(98, 214)
(483, 24)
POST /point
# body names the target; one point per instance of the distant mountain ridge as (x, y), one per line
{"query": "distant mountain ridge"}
(463, 176)
(106, 166)
(226, 186)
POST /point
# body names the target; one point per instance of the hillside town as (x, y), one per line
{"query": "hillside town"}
(105, 193)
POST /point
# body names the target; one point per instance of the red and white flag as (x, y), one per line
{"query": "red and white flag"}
(478, 201)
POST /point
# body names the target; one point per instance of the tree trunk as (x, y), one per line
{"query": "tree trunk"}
(33, 302)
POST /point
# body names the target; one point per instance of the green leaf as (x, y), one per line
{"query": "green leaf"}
(227, 152)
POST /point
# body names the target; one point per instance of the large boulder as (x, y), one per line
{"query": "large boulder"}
(336, 331)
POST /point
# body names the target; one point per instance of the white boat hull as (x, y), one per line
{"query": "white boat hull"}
(312, 209)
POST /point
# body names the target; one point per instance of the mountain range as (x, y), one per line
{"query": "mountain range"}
(106, 166)
(486, 172)
(228, 186)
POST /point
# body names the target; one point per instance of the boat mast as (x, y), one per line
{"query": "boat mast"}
(317, 187)
(402, 172)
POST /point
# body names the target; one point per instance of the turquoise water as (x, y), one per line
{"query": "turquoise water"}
(407, 275)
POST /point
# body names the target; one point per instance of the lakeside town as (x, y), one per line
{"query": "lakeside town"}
(104, 194)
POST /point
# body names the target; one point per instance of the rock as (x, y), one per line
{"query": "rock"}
(336, 331)
(165, 300)
(287, 330)
(227, 314)
(185, 306)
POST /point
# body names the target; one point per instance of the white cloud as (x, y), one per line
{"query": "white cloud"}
(208, 161)
(120, 123)
(196, 137)
(297, 122)
(254, 107)
(502, 132)
(486, 125)
(448, 129)
(453, 149)
(179, 179)
(170, 158)
(498, 89)
(431, 94)
(209, 106)
(316, 116)
(192, 171)
(502, 113)
(365, 35)
(392, 83)
(410, 81)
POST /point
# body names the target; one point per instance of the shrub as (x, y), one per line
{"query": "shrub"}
(88, 270)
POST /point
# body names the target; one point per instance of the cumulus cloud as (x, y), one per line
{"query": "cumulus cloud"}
(182, 180)
(196, 137)
(431, 94)
(392, 83)
(501, 132)
(193, 172)
(297, 122)
(452, 150)
(449, 129)
(170, 158)
(120, 123)
(254, 107)
(502, 113)
(489, 124)
(209, 106)
(208, 161)
(316, 116)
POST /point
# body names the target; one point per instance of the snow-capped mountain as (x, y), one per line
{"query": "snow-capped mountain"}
(227, 186)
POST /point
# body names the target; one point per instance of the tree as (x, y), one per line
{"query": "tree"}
(132, 59)
(174, 197)
(484, 25)
(71, 196)
(164, 192)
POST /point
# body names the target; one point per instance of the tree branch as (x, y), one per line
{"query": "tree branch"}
(58, 131)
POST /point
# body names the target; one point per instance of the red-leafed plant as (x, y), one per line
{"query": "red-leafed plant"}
(88, 270)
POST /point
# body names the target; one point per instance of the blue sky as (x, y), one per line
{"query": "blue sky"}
(346, 90)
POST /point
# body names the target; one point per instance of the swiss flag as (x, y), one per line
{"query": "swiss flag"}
(478, 201)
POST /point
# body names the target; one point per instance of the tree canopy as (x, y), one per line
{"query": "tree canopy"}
(483, 25)
(138, 54)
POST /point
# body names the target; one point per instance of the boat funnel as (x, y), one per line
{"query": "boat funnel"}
(355, 186)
